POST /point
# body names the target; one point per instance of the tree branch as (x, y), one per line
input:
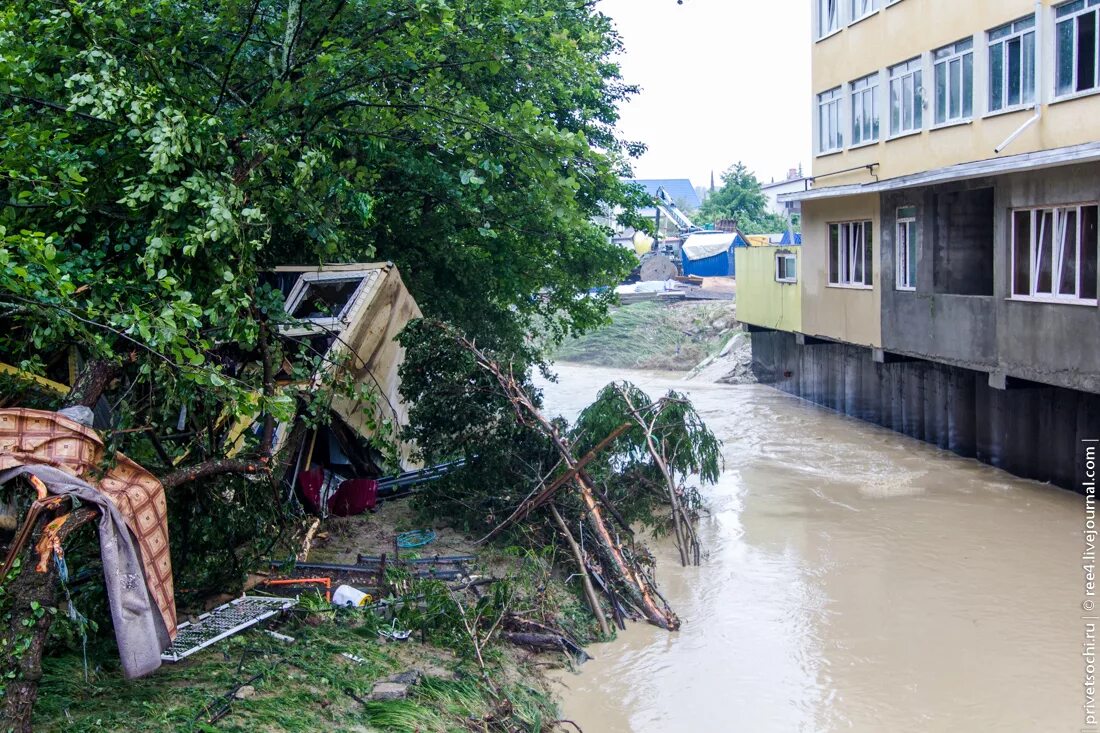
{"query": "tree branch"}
(208, 469)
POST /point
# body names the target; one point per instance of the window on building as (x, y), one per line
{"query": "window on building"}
(851, 260)
(828, 107)
(1012, 64)
(828, 17)
(906, 248)
(1078, 53)
(863, 8)
(954, 72)
(786, 267)
(905, 97)
(1054, 253)
(327, 298)
(865, 109)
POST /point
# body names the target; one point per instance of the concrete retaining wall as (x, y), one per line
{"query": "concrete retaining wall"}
(1030, 430)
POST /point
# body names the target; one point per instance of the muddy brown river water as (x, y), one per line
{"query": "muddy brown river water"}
(856, 580)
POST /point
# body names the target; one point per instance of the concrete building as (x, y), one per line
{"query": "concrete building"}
(949, 265)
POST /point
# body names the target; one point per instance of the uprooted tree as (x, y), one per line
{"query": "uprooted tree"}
(157, 157)
(626, 461)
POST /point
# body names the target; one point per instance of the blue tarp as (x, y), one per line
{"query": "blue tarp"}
(710, 254)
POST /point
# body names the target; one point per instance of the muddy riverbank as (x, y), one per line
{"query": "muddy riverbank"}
(856, 580)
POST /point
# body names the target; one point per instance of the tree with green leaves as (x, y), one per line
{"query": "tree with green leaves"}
(740, 198)
(157, 156)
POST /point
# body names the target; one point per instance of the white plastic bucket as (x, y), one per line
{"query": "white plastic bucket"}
(348, 597)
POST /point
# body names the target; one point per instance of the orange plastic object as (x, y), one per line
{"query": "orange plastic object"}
(326, 582)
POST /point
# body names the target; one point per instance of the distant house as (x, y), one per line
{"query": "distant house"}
(791, 210)
(679, 189)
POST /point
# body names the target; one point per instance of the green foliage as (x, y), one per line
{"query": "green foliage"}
(458, 411)
(157, 157)
(740, 198)
(631, 477)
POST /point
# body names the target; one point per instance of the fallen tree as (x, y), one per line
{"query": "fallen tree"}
(466, 400)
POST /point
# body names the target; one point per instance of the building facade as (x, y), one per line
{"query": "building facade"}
(950, 231)
(790, 209)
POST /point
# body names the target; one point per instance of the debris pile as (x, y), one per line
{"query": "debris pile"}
(627, 459)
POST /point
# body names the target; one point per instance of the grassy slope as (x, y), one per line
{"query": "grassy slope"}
(304, 688)
(650, 335)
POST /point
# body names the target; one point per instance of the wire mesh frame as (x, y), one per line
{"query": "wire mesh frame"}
(223, 622)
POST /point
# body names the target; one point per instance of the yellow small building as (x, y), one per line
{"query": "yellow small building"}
(769, 287)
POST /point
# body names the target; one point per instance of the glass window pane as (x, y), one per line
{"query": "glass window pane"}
(1014, 75)
(918, 114)
(870, 121)
(907, 103)
(868, 255)
(901, 250)
(1044, 255)
(834, 253)
(855, 252)
(1088, 251)
(1067, 232)
(895, 107)
(857, 119)
(1065, 56)
(968, 85)
(996, 76)
(1028, 83)
(912, 259)
(941, 93)
(954, 86)
(1021, 279)
(1086, 51)
(1071, 8)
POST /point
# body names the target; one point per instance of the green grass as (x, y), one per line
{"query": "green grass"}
(650, 335)
(304, 688)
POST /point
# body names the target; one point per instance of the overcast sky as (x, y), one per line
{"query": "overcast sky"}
(722, 81)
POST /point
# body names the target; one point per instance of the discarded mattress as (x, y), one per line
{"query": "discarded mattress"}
(133, 525)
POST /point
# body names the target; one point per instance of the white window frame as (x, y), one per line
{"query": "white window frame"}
(791, 267)
(337, 320)
(906, 80)
(945, 60)
(861, 9)
(830, 103)
(906, 252)
(824, 27)
(1022, 32)
(855, 265)
(864, 93)
(1059, 215)
(1071, 14)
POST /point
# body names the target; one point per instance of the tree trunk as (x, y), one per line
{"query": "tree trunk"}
(586, 580)
(29, 587)
(91, 383)
(216, 467)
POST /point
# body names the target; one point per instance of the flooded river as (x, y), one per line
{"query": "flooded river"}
(857, 580)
